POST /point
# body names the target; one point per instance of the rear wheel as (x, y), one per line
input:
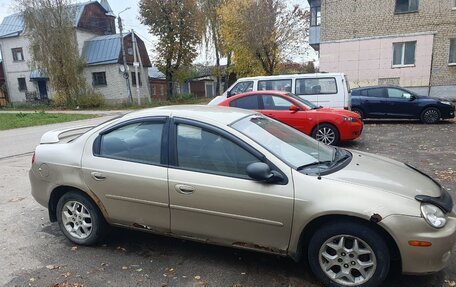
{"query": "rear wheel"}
(349, 254)
(80, 219)
(326, 133)
(359, 112)
(430, 115)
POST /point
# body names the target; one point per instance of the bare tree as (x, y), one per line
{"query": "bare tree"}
(53, 46)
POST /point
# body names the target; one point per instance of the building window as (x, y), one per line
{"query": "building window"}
(99, 79)
(452, 60)
(133, 79)
(315, 16)
(454, 4)
(18, 55)
(406, 6)
(162, 90)
(22, 84)
(404, 53)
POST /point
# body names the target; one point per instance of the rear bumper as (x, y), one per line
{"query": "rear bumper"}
(421, 260)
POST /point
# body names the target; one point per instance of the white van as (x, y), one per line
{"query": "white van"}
(323, 89)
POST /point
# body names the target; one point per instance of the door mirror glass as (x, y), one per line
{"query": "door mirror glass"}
(262, 172)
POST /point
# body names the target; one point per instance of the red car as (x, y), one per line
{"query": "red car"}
(324, 124)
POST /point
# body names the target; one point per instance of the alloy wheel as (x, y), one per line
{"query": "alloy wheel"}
(326, 135)
(431, 116)
(76, 219)
(347, 260)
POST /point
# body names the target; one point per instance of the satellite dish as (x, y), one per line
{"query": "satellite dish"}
(121, 69)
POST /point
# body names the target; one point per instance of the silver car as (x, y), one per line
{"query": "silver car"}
(237, 178)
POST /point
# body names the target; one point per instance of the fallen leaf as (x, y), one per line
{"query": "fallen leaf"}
(124, 267)
(74, 248)
(52, 267)
(197, 277)
(16, 199)
(139, 270)
(66, 274)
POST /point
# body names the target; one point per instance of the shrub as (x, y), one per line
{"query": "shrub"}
(90, 100)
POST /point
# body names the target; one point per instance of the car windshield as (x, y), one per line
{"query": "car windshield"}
(293, 147)
(308, 104)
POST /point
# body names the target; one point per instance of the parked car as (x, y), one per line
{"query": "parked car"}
(237, 178)
(324, 124)
(399, 103)
(323, 89)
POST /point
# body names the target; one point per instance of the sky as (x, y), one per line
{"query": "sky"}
(130, 21)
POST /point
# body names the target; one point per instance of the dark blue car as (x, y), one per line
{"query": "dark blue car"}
(398, 103)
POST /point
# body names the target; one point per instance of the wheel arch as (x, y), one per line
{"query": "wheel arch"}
(312, 226)
(327, 123)
(59, 191)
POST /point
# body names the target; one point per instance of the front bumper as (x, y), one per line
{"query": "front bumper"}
(351, 130)
(421, 260)
(448, 112)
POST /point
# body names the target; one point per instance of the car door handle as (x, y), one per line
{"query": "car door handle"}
(184, 189)
(98, 176)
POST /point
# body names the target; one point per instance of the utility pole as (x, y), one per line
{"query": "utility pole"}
(142, 69)
(136, 64)
(124, 58)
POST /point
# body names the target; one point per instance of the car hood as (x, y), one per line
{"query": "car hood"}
(385, 174)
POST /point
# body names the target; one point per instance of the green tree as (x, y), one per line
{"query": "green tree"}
(53, 46)
(177, 24)
(263, 33)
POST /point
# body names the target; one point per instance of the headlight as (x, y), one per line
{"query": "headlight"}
(445, 103)
(349, 119)
(433, 215)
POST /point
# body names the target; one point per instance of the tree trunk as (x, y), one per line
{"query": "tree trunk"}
(169, 85)
(227, 73)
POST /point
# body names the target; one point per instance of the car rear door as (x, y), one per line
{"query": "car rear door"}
(126, 167)
(212, 198)
(376, 103)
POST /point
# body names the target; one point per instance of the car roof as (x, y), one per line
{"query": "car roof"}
(374, 87)
(220, 115)
(313, 75)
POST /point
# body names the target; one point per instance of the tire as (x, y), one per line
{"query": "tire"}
(326, 133)
(368, 240)
(76, 209)
(430, 115)
(359, 112)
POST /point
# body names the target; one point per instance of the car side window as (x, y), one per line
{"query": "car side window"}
(276, 85)
(242, 87)
(395, 93)
(364, 93)
(271, 102)
(376, 93)
(247, 102)
(138, 142)
(202, 150)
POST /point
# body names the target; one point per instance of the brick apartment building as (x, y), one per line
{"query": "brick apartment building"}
(411, 43)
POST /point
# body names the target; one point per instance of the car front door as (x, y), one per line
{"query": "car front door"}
(279, 108)
(126, 167)
(401, 105)
(213, 199)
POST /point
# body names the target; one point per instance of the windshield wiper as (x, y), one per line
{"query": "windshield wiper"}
(313, 164)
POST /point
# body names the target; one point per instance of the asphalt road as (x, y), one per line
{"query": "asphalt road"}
(33, 252)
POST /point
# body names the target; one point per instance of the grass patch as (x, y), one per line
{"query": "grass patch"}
(21, 120)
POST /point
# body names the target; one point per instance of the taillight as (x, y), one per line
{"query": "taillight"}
(33, 158)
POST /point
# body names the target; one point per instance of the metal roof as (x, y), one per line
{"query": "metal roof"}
(155, 73)
(102, 50)
(11, 26)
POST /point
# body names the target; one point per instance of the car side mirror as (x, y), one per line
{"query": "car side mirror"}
(293, 108)
(262, 172)
(229, 94)
(409, 96)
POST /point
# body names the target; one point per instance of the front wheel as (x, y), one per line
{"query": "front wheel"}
(80, 219)
(326, 133)
(349, 254)
(430, 115)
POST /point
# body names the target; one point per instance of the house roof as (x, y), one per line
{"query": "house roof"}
(102, 50)
(13, 25)
(155, 73)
